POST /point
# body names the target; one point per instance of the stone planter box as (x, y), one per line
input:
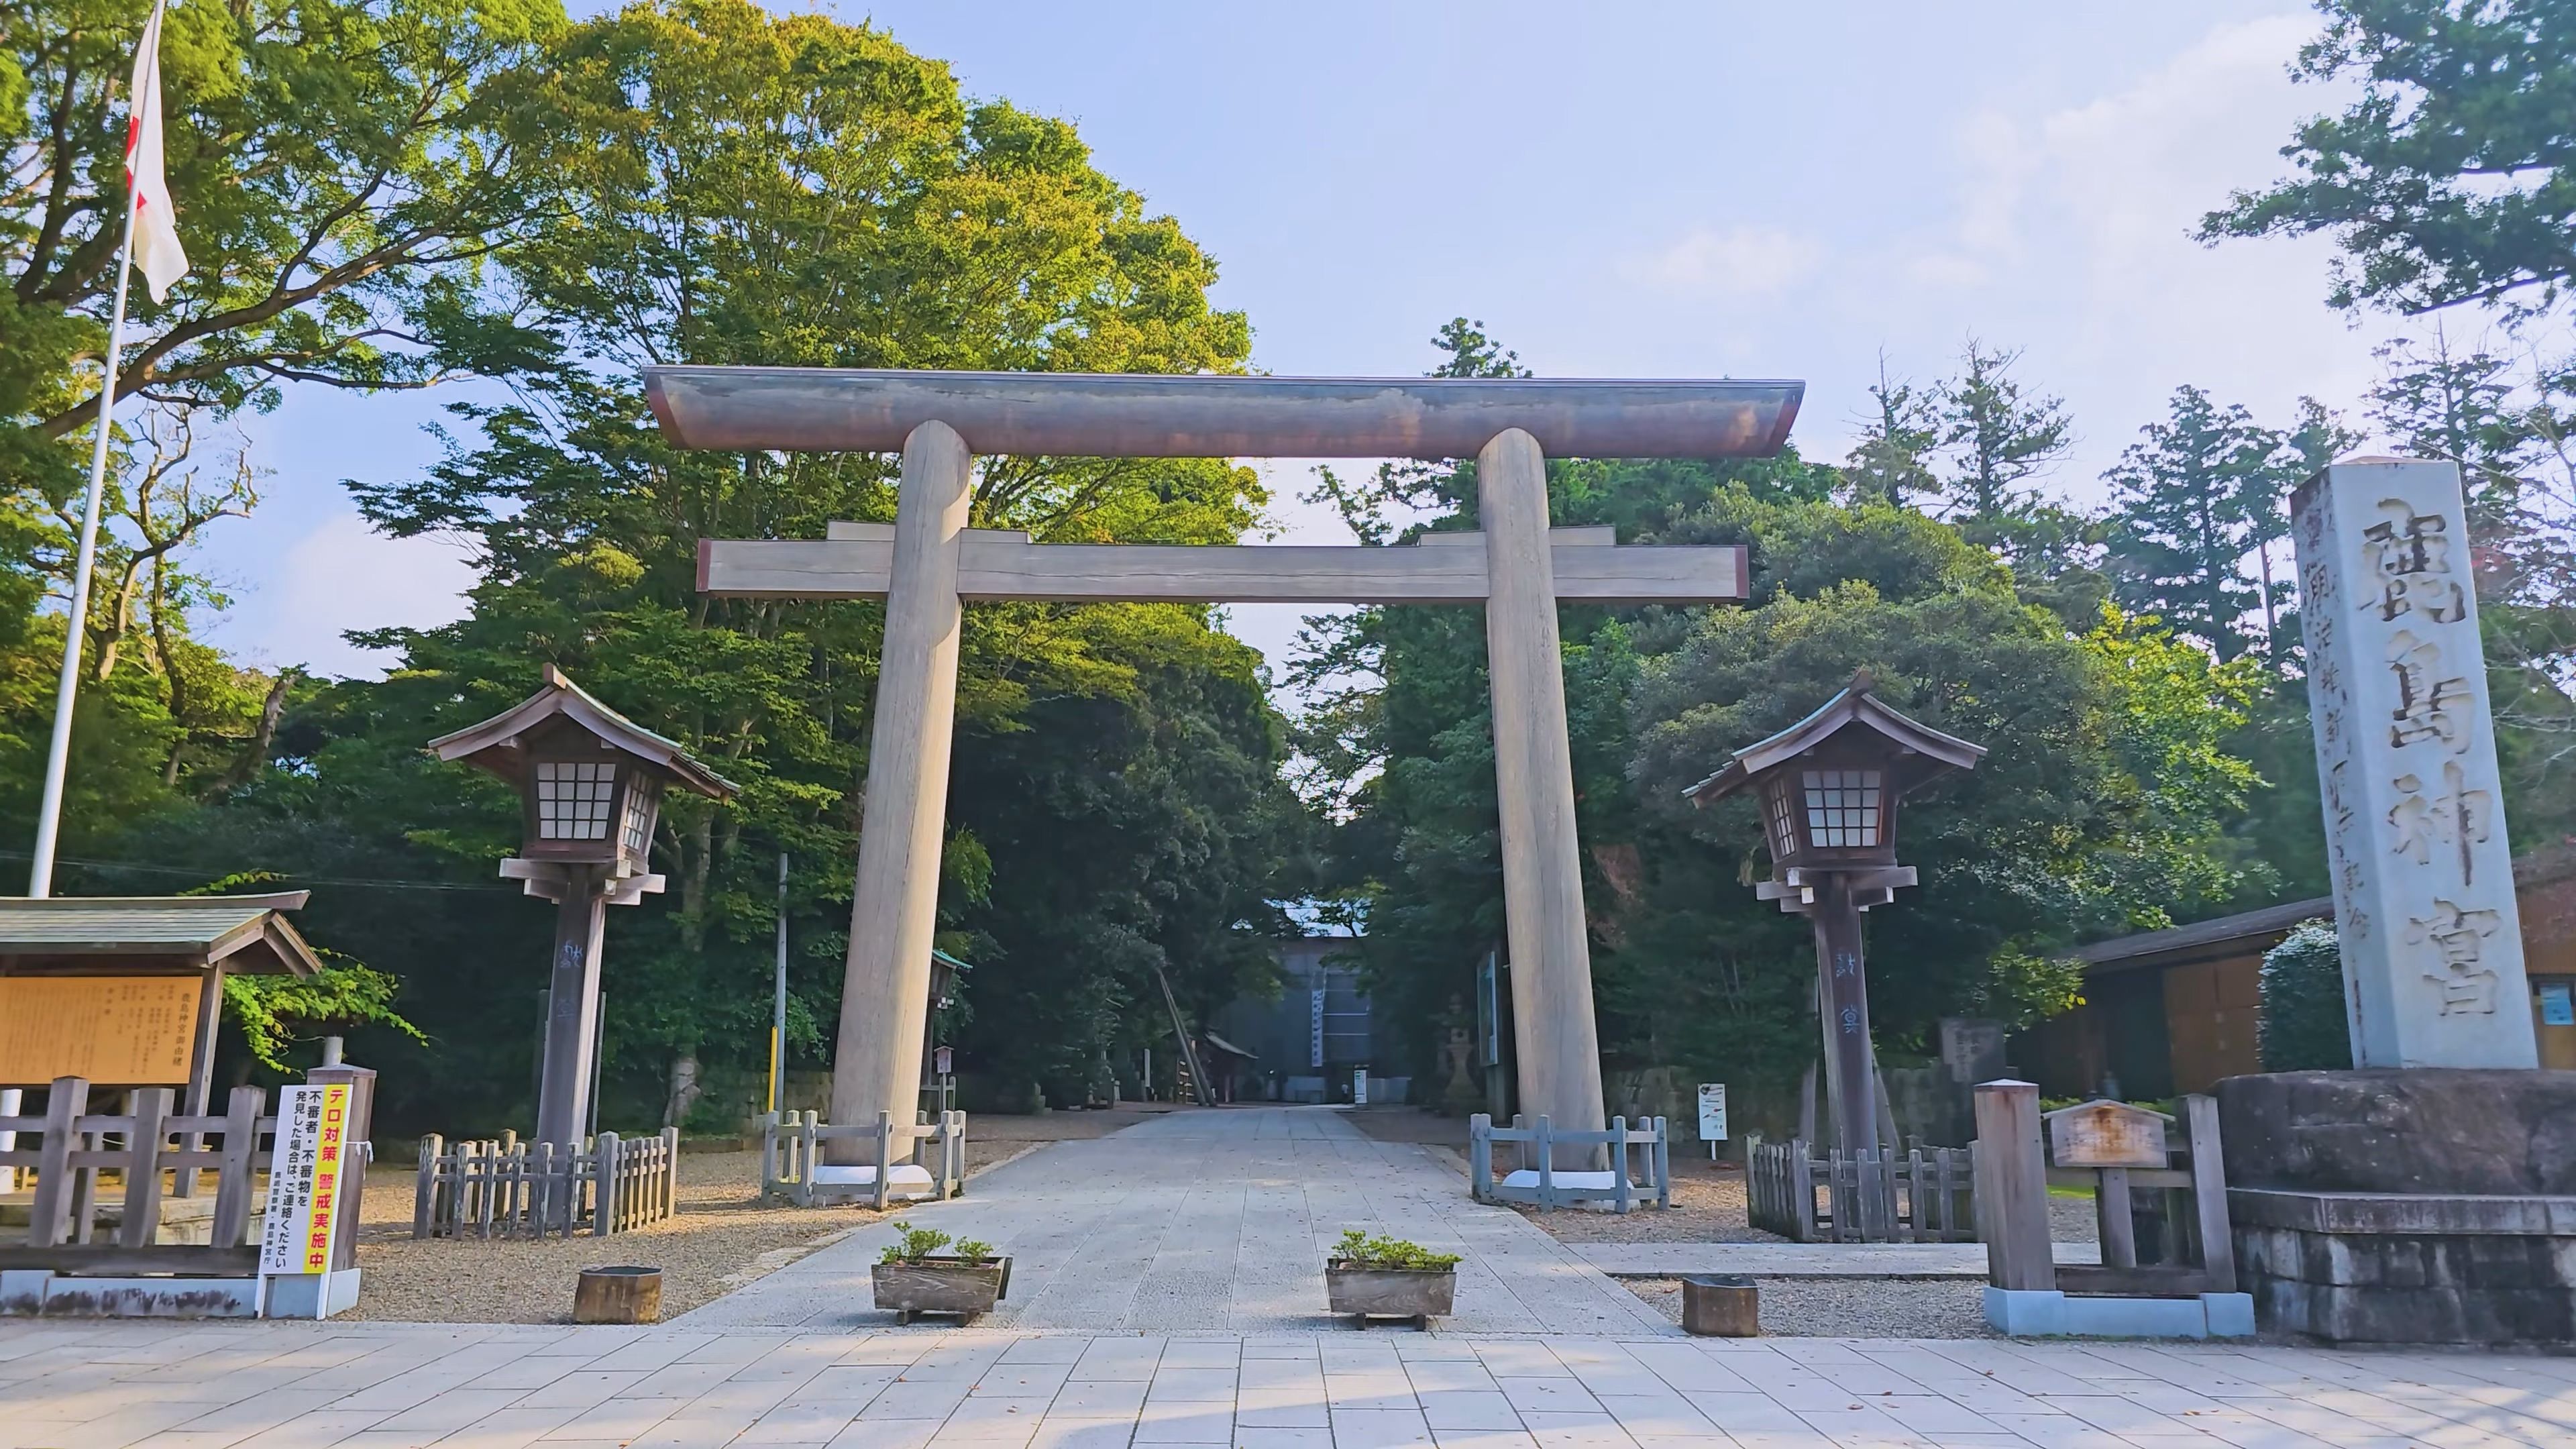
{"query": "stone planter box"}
(1420, 1294)
(941, 1285)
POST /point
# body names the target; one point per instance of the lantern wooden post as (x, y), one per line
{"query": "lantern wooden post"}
(572, 1007)
(1827, 790)
(1843, 988)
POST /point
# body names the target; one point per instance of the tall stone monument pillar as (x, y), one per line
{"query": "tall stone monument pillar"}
(2414, 808)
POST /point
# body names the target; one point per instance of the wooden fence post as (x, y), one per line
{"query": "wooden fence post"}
(1619, 1164)
(64, 1105)
(2012, 1187)
(885, 1143)
(1480, 1155)
(1663, 1162)
(143, 1168)
(670, 1171)
(424, 1193)
(603, 1170)
(233, 1179)
(2209, 1192)
(1546, 1163)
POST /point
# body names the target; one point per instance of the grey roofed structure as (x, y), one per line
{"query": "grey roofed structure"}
(823, 409)
(2203, 940)
(494, 744)
(1857, 703)
(245, 935)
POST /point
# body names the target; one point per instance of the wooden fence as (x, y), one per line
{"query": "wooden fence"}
(1927, 1195)
(1539, 1182)
(502, 1187)
(155, 1156)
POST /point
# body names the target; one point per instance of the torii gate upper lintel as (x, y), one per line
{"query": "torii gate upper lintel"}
(928, 561)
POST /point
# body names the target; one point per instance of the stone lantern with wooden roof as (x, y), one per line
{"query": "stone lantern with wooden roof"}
(590, 783)
(1828, 789)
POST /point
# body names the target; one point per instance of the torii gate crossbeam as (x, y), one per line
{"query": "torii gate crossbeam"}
(928, 562)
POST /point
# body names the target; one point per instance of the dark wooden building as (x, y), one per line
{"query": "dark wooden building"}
(2175, 1010)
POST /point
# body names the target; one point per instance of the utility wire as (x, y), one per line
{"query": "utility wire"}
(286, 877)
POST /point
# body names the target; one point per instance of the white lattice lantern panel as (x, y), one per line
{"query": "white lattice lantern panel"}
(573, 798)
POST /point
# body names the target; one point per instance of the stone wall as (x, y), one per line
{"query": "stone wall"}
(2423, 1206)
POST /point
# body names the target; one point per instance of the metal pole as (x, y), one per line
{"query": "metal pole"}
(778, 1006)
(49, 815)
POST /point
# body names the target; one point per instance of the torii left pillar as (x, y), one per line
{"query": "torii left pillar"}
(894, 907)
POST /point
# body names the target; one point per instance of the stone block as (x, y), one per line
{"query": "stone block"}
(22, 1291)
(2047, 1313)
(2421, 1131)
(293, 1297)
(67, 1297)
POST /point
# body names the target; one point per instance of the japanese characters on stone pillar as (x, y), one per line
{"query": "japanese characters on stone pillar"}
(2406, 763)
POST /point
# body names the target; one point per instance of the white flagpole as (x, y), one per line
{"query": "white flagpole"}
(49, 816)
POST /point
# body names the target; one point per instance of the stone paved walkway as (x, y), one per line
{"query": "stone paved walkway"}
(406, 1386)
(1167, 1295)
(1211, 1221)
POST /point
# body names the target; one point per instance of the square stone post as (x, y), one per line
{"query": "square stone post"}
(894, 906)
(1552, 1022)
(2406, 765)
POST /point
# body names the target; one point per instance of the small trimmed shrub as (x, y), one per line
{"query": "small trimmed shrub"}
(1362, 1251)
(917, 1244)
(2304, 1026)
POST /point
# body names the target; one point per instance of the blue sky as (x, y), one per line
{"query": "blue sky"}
(1632, 190)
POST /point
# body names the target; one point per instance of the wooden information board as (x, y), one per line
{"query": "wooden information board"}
(124, 1031)
(2107, 1134)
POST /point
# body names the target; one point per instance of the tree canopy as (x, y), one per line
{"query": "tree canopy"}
(2451, 178)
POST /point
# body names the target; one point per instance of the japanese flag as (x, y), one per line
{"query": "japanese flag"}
(156, 233)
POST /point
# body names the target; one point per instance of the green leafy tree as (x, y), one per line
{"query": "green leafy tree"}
(341, 168)
(2109, 817)
(751, 189)
(2451, 176)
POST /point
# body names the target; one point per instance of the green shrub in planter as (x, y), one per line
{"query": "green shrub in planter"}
(2304, 1026)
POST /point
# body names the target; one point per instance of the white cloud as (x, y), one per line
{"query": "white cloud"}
(341, 576)
(2070, 234)
(1743, 263)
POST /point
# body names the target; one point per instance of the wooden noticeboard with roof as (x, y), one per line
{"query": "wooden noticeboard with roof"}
(127, 991)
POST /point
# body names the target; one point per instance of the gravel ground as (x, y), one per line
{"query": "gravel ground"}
(1850, 1307)
(721, 1238)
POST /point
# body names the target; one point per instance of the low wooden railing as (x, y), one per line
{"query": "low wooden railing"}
(1925, 1195)
(1647, 1144)
(792, 1149)
(502, 1187)
(156, 1156)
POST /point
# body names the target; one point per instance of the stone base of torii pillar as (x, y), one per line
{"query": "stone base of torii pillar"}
(931, 560)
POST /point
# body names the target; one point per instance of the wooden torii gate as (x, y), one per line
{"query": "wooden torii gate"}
(929, 560)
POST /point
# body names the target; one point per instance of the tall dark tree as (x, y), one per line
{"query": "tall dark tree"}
(1892, 460)
(2451, 177)
(1996, 436)
(2198, 493)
